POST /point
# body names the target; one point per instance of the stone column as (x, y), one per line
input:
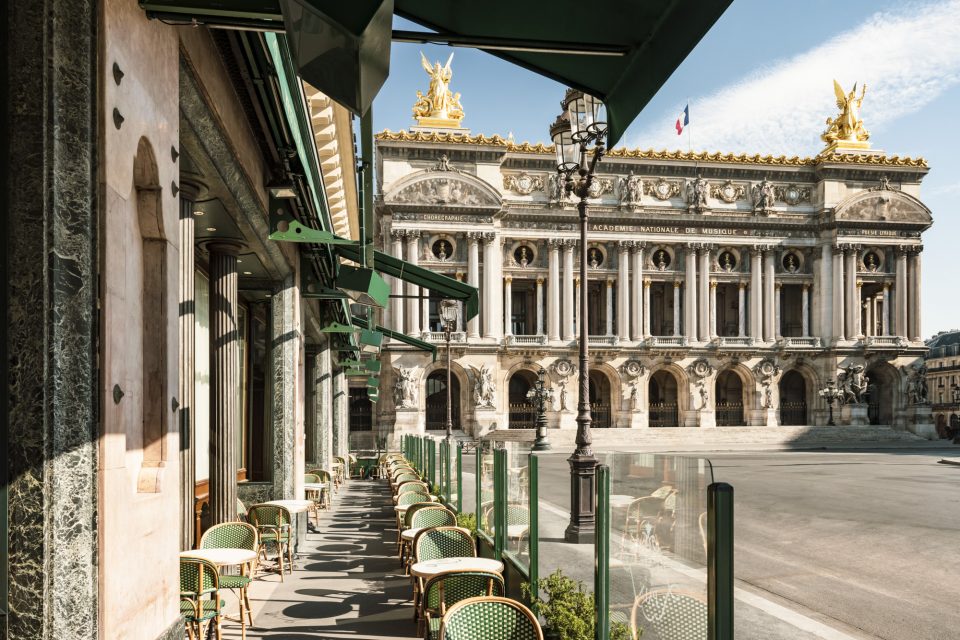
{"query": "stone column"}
(703, 302)
(900, 293)
(473, 279)
(492, 265)
(224, 382)
(396, 284)
(690, 295)
(914, 324)
(839, 290)
(741, 309)
(676, 307)
(568, 300)
(769, 331)
(858, 311)
(623, 289)
(609, 317)
(885, 318)
(539, 305)
(756, 294)
(49, 239)
(413, 291)
(553, 290)
(285, 338)
(187, 330)
(825, 291)
(324, 428)
(713, 310)
(508, 306)
(852, 295)
(868, 313)
(340, 397)
(646, 309)
(805, 310)
(640, 311)
(778, 294)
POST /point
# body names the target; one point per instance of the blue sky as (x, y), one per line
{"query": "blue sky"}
(761, 81)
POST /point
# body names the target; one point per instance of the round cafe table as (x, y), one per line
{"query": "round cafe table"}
(618, 501)
(293, 506)
(315, 486)
(410, 534)
(402, 508)
(429, 568)
(222, 557)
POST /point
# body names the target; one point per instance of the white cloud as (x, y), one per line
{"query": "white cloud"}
(906, 58)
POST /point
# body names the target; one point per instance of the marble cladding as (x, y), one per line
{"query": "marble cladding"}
(174, 632)
(51, 248)
(285, 345)
(254, 492)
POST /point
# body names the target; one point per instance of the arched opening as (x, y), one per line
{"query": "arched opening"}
(729, 395)
(361, 411)
(793, 399)
(663, 406)
(942, 426)
(600, 400)
(153, 316)
(881, 390)
(437, 400)
(522, 413)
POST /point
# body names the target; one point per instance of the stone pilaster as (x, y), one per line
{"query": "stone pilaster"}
(285, 341)
(473, 278)
(324, 382)
(508, 306)
(539, 305)
(769, 297)
(553, 290)
(569, 302)
(413, 291)
(914, 304)
(609, 314)
(756, 294)
(396, 284)
(839, 297)
(900, 293)
(690, 295)
(703, 301)
(623, 289)
(224, 383)
(640, 328)
(49, 240)
(340, 397)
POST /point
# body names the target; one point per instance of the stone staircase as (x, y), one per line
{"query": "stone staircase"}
(723, 438)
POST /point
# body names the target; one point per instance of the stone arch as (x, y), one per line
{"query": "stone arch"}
(734, 395)
(667, 400)
(605, 385)
(443, 189)
(811, 398)
(884, 393)
(463, 382)
(435, 400)
(153, 318)
(520, 409)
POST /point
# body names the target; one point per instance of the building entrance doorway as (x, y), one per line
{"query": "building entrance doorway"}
(600, 400)
(663, 405)
(729, 399)
(522, 413)
(881, 388)
(437, 400)
(793, 399)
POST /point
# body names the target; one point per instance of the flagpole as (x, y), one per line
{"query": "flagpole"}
(689, 141)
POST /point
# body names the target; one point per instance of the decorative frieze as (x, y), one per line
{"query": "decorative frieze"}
(522, 183)
(662, 189)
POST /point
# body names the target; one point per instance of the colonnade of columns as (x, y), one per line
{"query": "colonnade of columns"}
(842, 313)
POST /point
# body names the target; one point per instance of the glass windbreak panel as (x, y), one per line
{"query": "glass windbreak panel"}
(454, 475)
(518, 503)
(485, 509)
(658, 543)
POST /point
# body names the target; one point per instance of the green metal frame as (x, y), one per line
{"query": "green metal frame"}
(448, 486)
(533, 493)
(601, 575)
(400, 337)
(459, 477)
(720, 561)
(500, 501)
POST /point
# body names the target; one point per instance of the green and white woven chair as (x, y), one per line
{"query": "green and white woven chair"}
(407, 500)
(273, 526)
(436, 543)
(446, 589)
(327, 480)
(200, 603)
(235, 535)
(405, 477)
(490, 618)
(411, 486)
(672, 615)
(429, 515)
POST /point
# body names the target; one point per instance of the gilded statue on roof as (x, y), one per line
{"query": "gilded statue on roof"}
(439, 107)
(847, 130)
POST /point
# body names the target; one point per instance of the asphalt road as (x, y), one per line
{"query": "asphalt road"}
(866, 542)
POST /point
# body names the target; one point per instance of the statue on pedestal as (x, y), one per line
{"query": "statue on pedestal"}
(853, 382)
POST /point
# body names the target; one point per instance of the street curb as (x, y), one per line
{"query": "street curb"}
(953, 461)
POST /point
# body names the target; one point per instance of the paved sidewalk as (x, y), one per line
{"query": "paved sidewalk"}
(347, 582)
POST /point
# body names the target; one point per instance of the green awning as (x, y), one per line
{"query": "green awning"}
(443, 285)
(400, 337)
(627, 50)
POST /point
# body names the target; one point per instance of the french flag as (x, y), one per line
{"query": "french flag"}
(683, 119)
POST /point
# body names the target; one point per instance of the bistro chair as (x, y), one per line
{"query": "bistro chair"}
(436, 543)
(429, 515)
(406, 500)
(241, 511)
(641, 524)
(200, 602)
(327, 480)
(406, 477)
(671, 615)
(489, 617)
(446, 589)
(235, 535)
(411, 487)
(273, 526)
(407, 518)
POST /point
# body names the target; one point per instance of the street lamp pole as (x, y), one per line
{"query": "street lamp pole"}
(540, 395)
(448, 317)
(831, 393)
(581, 124)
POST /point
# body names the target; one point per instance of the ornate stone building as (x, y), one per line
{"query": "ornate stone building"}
(724, 289)
(943, 380)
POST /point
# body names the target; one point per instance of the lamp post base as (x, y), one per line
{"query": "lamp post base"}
(583, 497)
(540, 444)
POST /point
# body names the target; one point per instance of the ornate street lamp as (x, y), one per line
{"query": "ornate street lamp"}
(540, 395)
(582, 124)
(831, 393)
(449, 310)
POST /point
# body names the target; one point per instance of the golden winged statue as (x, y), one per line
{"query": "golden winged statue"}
(439, 107)
(847, 128)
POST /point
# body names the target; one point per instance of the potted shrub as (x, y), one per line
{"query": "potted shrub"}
(568, 609)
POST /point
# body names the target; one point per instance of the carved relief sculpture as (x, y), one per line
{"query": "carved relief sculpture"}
(405, 390)
(853, 382)
(728, 192)
(792, 194)
(917, 391)
(629, 190)
(697, 195)
(662, 189)
(700, 370)
(484, 392)
(633, 370)
(523, 183)
(763, 197)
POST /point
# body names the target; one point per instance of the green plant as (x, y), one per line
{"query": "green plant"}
(468, 521)
(568, 609)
